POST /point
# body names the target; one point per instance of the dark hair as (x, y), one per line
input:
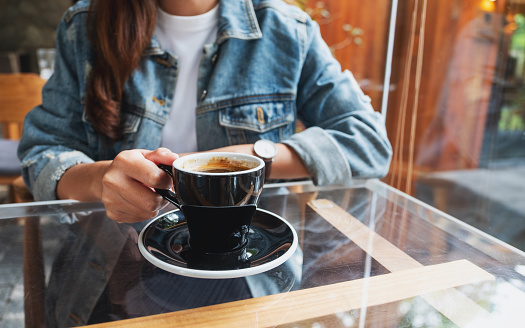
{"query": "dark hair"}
(119, 31)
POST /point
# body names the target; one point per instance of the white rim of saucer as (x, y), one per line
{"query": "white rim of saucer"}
(219, 274)
(177, 164)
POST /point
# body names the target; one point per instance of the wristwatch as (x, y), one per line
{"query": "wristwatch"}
(266, 150)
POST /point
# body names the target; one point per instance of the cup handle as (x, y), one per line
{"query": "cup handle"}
(168, 195)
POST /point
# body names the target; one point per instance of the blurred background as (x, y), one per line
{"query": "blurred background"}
(26, 26)
(453, 96)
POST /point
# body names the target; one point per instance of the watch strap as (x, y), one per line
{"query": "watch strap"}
(267, 168)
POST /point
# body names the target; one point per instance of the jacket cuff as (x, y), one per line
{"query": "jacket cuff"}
(322, 156)
(46, 184)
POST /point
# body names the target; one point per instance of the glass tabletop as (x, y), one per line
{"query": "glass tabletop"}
(367, 255)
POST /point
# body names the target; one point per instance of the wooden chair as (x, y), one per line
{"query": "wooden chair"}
(19, 93)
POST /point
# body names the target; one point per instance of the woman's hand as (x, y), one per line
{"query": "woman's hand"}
(125, 185)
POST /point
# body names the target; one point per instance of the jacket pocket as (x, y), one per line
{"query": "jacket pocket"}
(102, 148)
(250, 122)
(130, 119)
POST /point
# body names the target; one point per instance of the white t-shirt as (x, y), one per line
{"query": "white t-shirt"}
(185, 37)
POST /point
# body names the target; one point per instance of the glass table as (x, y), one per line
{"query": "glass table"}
(367, 256)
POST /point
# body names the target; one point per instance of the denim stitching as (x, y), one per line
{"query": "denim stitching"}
(244, 101)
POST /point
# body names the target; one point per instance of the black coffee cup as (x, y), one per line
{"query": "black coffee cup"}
(218, 193)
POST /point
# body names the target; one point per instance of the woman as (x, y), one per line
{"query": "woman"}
(134, 75)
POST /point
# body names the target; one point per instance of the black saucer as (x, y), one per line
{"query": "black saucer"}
(164, 243)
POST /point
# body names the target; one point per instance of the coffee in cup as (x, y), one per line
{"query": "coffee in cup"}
(221, 165)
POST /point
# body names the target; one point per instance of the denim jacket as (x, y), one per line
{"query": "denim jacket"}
(267, 69)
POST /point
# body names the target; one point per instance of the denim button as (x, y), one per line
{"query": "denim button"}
(204, 94)
(214, 59)
(164, 62)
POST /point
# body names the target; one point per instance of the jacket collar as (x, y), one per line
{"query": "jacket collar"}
(236, 20)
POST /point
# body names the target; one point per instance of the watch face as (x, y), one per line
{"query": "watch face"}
(265, 149)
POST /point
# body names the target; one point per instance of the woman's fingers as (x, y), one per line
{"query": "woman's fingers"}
(129, 200)
(141, 165)
(161, 156)
(127, 185)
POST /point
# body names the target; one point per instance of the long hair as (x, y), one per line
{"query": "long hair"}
(119, 32)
